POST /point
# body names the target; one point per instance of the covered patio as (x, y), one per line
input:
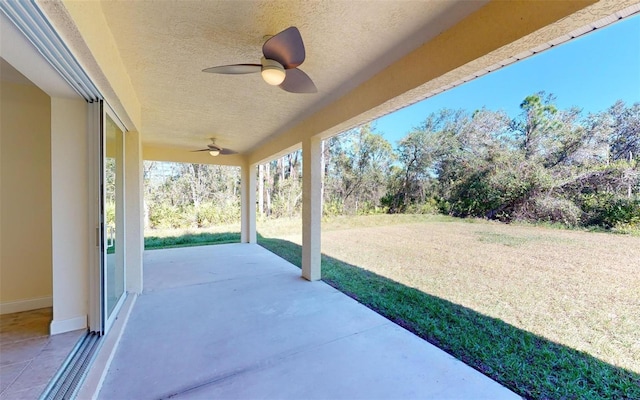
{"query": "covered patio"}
(237, 321)
(123, 81)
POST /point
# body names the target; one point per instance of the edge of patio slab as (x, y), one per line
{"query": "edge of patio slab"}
(100, 367)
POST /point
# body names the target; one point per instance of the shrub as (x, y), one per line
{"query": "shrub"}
(630, 229)
(546, 208)
(609, 210)
(210, 213)
(430, 206)
(369, 208)
(332, 208)
(165, 216)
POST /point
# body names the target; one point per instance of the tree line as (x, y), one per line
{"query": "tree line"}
(545, 165)
(190, 195)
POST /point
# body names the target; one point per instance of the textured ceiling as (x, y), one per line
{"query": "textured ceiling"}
(164, 45)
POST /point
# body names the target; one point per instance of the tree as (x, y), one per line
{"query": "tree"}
(547, 164)
(419, 155)
(357, 168)
(535, 125)
(191, 195)
(624, 139)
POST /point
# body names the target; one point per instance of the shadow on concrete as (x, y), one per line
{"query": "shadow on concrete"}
(530, 365)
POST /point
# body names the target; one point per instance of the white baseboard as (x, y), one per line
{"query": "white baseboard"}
(68, 325)
(25, 305)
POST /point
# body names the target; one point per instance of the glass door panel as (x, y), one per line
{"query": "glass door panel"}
(114, 275)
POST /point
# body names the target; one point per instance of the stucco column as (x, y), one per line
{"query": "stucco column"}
(248, 204)
(134, 210)
(70, 200)
(311, 208)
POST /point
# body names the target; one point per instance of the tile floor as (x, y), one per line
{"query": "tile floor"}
(29, 357)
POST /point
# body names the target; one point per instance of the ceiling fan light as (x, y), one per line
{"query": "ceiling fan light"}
(214, 153)
(272, 72)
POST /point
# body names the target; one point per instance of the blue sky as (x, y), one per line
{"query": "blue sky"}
(591, 72)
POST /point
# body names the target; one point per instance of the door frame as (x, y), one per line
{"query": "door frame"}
(98, 320)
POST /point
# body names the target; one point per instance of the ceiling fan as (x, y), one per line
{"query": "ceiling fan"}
(283, 53)
(216, 150)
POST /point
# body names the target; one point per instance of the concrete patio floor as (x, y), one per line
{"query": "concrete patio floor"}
(236, 321)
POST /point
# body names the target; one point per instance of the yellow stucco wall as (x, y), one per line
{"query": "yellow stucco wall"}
(25, 199)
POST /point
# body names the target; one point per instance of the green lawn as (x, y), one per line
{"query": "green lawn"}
(548, 313)
(164, 239)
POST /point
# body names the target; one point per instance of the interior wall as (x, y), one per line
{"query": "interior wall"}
(25, 198)
(70, 203)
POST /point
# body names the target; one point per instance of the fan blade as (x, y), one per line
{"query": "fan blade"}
(235, 69)
(297, 81)
(286, 48)
(195, 151)
(227, 152)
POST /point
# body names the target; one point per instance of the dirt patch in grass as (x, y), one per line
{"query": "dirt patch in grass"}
(579, 289)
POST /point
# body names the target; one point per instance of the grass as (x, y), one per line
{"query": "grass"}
(532, 366)
(160, 241)
(549, 313)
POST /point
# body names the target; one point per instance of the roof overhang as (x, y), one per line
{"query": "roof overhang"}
(146, 58)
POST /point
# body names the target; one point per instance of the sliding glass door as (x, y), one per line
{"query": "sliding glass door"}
(113, 266)
(107, 275)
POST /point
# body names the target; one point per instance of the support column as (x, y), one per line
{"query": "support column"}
(134, 210)
(311, 208)
(248, 204)
(71, 240)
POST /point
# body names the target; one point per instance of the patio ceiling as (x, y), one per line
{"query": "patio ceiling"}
(165, 45)
(366, 58)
